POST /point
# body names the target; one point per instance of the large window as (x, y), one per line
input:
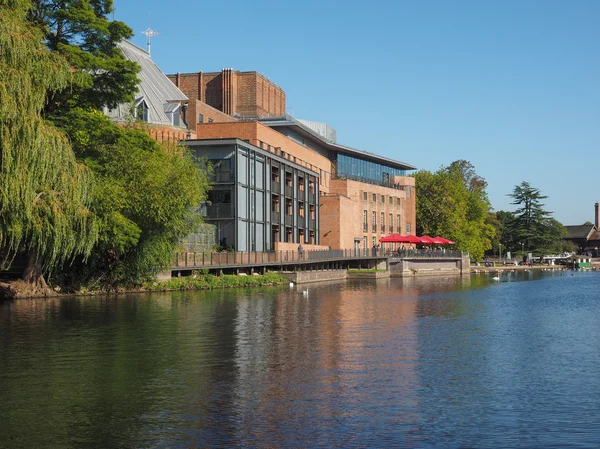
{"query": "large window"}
(398, 228)
(374, 221)
(391, 223)
(382, 222)
(352, 168)
(365, 223)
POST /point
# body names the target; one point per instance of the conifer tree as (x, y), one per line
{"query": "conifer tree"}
(43, 190)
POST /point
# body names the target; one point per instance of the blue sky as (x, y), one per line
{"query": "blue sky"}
(511, 86)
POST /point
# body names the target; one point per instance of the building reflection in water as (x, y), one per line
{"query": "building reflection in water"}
(305, 363)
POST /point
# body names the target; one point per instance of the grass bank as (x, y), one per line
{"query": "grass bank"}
(204, 281)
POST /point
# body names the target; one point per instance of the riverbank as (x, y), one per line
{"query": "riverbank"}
(19, 289)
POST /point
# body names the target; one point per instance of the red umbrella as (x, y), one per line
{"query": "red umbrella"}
(412, 239)
(426, 239)
(442, 241)
(392, 238)
(397, 238)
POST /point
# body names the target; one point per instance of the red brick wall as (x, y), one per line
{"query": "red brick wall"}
(196, 107)
(345, 206)
(233, 92)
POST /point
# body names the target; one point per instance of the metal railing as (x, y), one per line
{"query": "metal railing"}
(232, 258)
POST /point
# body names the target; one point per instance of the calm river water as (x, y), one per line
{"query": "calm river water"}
(436, 362)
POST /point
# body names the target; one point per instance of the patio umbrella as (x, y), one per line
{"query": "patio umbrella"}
(412, 239)
(442, 241)
(426, 239)
(392, 238)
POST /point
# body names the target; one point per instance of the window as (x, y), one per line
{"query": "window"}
(301, 209)
(382, 199)
(364, 196)
(374, 240)
(365, 241)
(398, 202)
(374, 197)
(391, 201)
(141, 111)
(200, 118)
(391, 229)
(374, 221)
(408, 191)
(398, 223)
(383, 222)
(408, 228)
(311, 208)
(365, 222)
(210, 120)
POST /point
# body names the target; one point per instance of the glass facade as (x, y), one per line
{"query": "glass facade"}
(370, 172)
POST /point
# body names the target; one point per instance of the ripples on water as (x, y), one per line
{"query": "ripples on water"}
(437, 362)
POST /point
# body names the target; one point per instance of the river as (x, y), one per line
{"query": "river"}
(417, 363)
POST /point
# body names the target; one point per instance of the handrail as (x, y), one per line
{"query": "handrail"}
(241, 258)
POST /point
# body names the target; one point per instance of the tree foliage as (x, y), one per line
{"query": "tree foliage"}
(145, 198)
(530, 224)
(80, 31)
(452, 202)
(44, 192)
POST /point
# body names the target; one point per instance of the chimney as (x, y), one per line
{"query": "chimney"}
(597, 215)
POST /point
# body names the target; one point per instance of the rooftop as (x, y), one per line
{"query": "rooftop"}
(301, 128)
(155, 89)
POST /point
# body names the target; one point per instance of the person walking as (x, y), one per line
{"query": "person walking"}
(300, 251)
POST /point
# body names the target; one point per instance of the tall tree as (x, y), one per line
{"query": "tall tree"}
(532, 225)
(452, 202)
(44, 192)
(81, 31)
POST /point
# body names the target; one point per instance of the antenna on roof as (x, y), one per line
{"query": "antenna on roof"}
(150, 33)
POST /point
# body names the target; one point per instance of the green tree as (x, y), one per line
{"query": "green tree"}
(80, 31)
(452, 202)
(145, 199)
(44, 192)
(532, 225)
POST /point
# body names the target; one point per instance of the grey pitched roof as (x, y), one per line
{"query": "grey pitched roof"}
(155, 88)
(579, 232)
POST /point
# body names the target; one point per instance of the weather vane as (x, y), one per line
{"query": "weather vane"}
(150, 33)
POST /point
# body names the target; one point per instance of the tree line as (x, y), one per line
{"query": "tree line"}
(453, 202)
(84, 202)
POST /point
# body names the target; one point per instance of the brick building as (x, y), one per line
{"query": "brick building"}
(243, 94)
(362, 196)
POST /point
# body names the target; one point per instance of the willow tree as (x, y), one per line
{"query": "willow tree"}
(43, 190)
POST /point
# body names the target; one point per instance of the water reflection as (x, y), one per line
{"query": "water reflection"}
(421, 362)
